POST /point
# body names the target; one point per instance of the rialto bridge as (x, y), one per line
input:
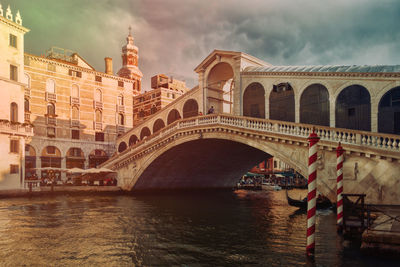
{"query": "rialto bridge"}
(263, 110)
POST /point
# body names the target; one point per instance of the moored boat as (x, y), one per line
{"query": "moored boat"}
(270, 187)
(322, 203)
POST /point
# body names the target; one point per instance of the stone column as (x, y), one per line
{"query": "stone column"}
(63, 166)
(332, 119)
(296, 108)
(374, 114)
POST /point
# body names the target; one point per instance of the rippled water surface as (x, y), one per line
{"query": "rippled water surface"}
(239, 228)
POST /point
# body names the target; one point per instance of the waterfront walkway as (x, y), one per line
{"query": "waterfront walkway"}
(45, 190)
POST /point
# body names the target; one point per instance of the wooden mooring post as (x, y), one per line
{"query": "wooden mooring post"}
(354, 219)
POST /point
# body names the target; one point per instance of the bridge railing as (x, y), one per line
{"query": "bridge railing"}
(361, 138)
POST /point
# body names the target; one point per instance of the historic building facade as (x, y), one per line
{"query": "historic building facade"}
(164, 90)
(14, 133)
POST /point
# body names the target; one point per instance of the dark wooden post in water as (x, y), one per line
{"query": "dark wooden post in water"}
(353, 215)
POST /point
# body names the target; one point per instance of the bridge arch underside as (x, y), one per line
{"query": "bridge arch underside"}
(202, 163)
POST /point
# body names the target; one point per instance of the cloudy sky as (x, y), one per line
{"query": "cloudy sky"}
(174, 36)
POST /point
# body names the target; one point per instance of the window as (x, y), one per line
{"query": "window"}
(14, 112)
(75, 113)
(98, 116)
(14, 168)
(120, 119)
(275, 164)
(120, 83)
(14, 146)
(153, 109)
(51, 86)
(75, 134)
(173, 96)
(75, 152)
(141, 113)
(99, 137)
(98, 95)
(51, 150)
(98, 79)
(74, 73)
(13, 73)
(26, 105)
(120, 100)
(75, 90)
(51, 132)
(13, 40)
(51, 109)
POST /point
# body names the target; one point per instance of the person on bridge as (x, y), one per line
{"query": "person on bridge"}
(211, 110)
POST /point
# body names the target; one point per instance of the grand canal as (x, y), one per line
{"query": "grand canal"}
(238, 228)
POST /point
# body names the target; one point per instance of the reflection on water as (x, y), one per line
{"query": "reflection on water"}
(192, 229)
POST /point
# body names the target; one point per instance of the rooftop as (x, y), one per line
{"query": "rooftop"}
(328, 68)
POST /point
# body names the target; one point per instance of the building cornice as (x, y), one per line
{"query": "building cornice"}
(14, 25)
(75, 67)
(325, 74)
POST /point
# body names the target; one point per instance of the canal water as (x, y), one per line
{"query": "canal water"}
(241, 228)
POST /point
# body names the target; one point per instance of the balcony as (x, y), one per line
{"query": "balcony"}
(51, 97)
(27, 117)
(97, 104)
(75, 123)
(120, 109)
(74, 100)
(51, 121)
(16, 128)
(120, 129)
(98, 126)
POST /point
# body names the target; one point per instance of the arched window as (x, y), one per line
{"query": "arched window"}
(75, 113)
(75, 90)
(120, 100)
(98, 116)
(389, 112)
(26, 105)
(98, 95)
(51, 86)
(51, 109)
(190, 108)
(121, 119)
(254, 101)
(14, 112)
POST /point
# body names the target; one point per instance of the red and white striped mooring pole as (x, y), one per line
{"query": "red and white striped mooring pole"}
(312, 191)
(339, 184)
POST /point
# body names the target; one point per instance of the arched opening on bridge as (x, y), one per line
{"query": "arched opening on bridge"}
(97, 157)
(254, 101)
(122, 147)
(51, 157)
(314, 105)
(353, 108)
(220, 88)
(145, 132)
(389, 112)
(75, 158)
(281, 103)
(173, 115)
(133, 140)
(190, 109)
(158, 125)
(30, 161)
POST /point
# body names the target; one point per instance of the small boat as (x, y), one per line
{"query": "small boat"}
(270, 187)
(322, 203)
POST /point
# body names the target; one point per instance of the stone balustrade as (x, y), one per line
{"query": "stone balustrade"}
(16, 128)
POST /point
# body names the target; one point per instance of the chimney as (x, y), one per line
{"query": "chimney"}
(108, 62)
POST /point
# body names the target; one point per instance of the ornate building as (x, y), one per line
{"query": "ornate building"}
(77, 112)
(13, 131)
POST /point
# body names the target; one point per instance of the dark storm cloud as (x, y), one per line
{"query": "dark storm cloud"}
(174, 36)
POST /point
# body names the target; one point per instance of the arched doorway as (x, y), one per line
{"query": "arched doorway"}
(173, 115)
(158, 125)
(30, 162)
(97, 157)
(314, 105)
(190, 109)
(254, 101)
(133, 140)
(51, 157)
(144, 133)
(281, 103)
(220, 88)
(389, 112)
(353, 108)
(75, 158)
(122, 147)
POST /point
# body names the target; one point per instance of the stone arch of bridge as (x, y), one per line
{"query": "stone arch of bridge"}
(219, 84)
(145, 132)
(173, 115)
(253, 152)
(133, 139)
(158, 125)
(254, 101)
(190, 108)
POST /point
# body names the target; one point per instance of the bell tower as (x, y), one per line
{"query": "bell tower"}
(130, 56)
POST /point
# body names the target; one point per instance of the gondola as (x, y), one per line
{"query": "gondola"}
(323, 203)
